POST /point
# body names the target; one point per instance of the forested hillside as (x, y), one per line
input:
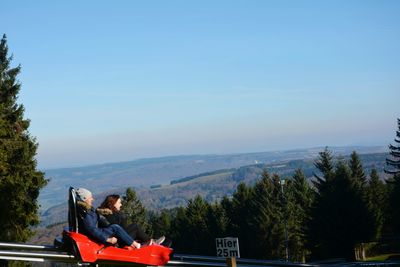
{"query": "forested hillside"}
(144, 173)
(212, 186)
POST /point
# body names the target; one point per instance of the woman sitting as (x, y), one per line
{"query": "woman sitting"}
(110, 213)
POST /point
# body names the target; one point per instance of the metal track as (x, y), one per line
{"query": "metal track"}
(40, 253)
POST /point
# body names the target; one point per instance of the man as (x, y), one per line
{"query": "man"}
(88, 219)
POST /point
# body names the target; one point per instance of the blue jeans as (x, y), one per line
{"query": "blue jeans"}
(122, 236)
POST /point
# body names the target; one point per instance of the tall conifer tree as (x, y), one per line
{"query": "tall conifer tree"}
(357, 172)
(20, 181)
(340, 217)
(266, 221)
(377, 202)
(133, 207)
(393, 162)
(160, 223)
(300, 199)
(196, 230)
(179, 229)
(238, 213)
(393, 168)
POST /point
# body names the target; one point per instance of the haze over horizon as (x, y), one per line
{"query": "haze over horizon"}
(107, 82)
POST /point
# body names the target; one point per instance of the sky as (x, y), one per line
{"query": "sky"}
(107, 81)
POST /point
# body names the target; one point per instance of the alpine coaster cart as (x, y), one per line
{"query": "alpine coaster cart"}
(89, 251)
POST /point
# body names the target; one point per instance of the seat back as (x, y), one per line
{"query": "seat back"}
(72, 212)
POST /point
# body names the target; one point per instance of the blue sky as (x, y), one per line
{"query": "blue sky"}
(112, 81)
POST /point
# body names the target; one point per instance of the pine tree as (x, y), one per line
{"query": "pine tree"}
(340, 217)
(160, 223)
(325, 164)
(134, 209)
(393, 168)
(196, 233)
(266, 221)
(357, 172)
(377, 202)
(238, 215)
(179, 229)
(320, 210)
(217, 222)
(393, 162)
(20, 181)
(393, 216)
(300, 197)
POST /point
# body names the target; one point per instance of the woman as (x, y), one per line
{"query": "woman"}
(110, 213)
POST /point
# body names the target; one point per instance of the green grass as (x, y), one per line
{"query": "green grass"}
(383, 257)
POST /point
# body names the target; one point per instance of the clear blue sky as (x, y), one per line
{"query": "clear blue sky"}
(106, 81)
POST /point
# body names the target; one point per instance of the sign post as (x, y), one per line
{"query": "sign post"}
(228, 248)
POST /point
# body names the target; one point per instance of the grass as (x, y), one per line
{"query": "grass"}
(384, 257)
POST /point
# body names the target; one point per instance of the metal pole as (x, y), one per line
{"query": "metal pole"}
(282, 182)
(231, 262)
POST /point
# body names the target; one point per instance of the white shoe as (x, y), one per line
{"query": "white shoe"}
(159, 240)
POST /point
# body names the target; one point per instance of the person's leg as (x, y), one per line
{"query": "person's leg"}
(121, 234)
(136, 233)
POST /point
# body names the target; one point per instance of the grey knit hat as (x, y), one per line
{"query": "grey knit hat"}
(83, 193)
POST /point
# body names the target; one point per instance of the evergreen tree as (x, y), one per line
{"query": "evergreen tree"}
(360, 189)
(320, 217)
(266, 221)
(179, 229)
(340, 217)
(393, 214)
(238, 214)
(300, 197)
(357, 172)
(196, 231)
(217, 222)
(134, 209)
(393, 168)
(393, 162)
(377, 199)
(160, 223)
(325, 166)
(20, 181)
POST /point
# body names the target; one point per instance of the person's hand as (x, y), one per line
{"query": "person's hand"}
(112, 240)
(136, 244)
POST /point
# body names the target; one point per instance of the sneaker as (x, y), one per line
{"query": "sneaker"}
(136, 245)
(159, 240)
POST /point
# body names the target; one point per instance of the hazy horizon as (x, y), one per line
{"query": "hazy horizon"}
(331, 148)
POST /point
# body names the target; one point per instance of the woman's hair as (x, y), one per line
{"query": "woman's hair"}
(109, 202)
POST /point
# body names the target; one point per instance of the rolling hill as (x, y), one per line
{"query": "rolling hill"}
(212, 185)
(144, 173)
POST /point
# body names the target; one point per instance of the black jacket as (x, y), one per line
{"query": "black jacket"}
(107, 217)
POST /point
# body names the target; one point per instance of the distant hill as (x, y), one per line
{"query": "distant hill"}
(144, 173)
(212, 185)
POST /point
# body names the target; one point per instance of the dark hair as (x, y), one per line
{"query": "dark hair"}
(109, 202)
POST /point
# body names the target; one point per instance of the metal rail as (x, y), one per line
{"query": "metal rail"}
(196, 259)
(43, 253)
(27, 246)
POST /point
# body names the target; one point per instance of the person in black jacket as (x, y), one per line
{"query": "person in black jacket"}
(110, 213)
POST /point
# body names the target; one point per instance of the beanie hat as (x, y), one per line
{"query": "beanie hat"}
(83, 193)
